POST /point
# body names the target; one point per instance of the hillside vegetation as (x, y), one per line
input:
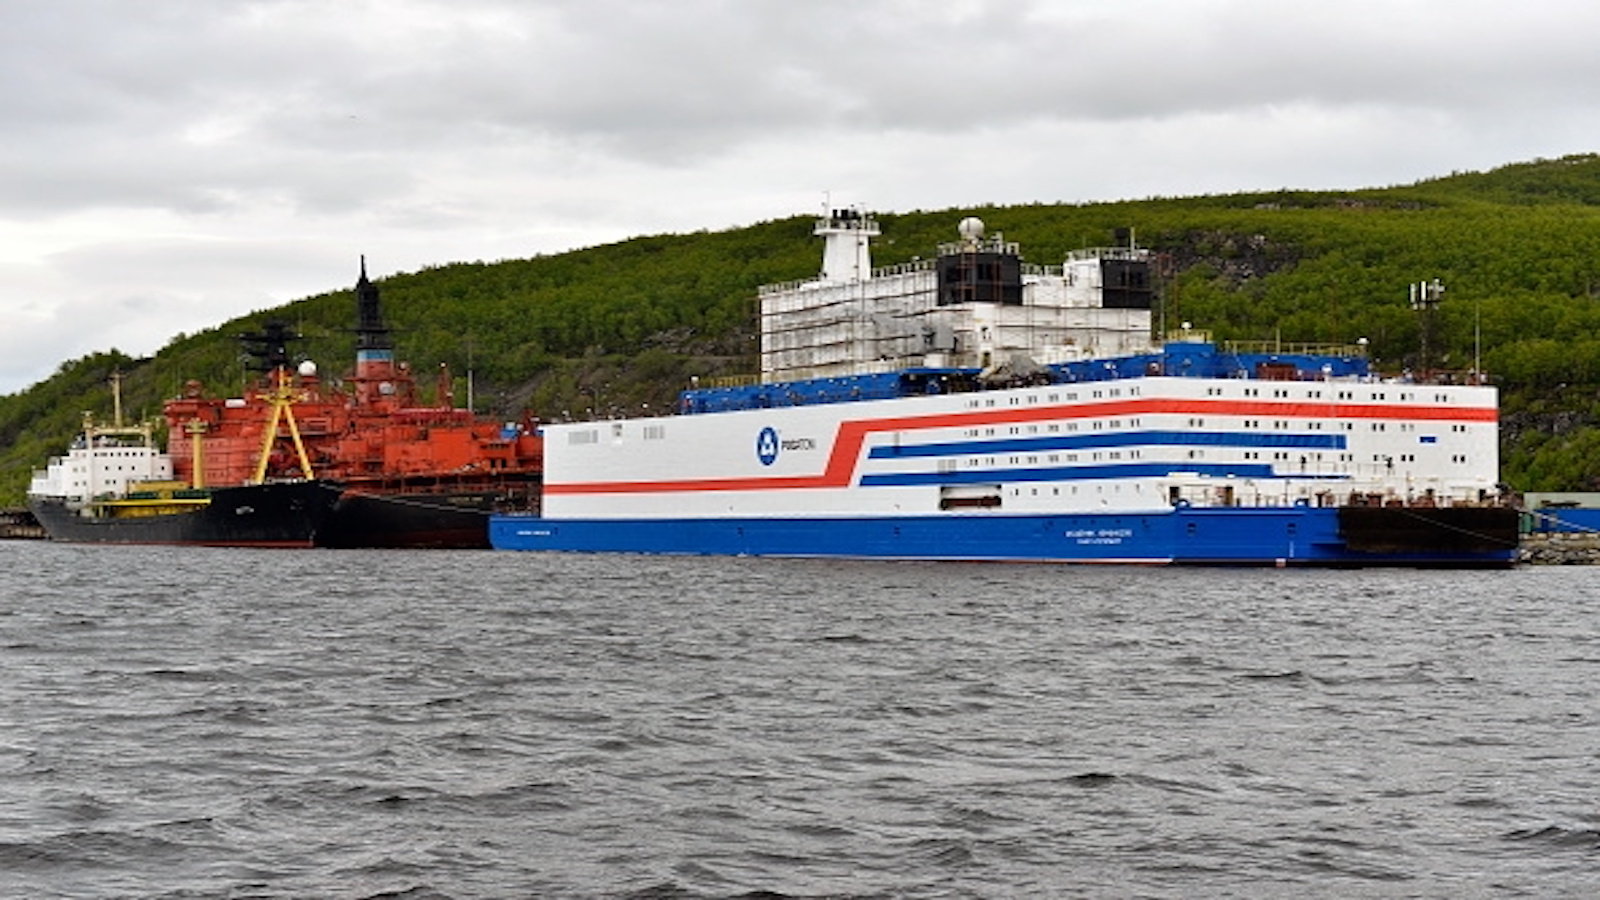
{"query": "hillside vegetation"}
(623, 327)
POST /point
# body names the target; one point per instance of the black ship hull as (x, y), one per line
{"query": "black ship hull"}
(288, 514)
(417, 517)
(1424, 533)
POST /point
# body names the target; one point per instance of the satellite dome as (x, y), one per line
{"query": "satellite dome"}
(971, 229)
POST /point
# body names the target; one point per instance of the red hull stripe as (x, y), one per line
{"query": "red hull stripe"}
(852, 434)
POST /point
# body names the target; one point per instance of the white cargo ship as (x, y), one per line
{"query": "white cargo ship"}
(974, 406)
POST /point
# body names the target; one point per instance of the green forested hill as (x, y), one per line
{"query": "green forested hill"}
(620, 326)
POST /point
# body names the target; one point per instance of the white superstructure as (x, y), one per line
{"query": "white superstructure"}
(102, 463)
(977, 304)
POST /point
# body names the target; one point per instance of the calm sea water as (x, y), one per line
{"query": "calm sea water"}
(225, 723)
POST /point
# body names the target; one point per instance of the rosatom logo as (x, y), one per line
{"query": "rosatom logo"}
(767, 446)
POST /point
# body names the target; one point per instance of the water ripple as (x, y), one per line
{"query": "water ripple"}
(473, 725)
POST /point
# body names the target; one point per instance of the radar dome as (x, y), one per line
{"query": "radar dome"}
(308, 369)
(971, 229)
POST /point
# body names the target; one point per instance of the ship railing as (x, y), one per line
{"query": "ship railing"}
(728, 381)
(880, 366)
(1033, 270)
(1131, 254)
(905, 268)
(784, 287)
(1441, 376)
(995, 244)
(1295, 348)
(1204, 492)
(884, 365)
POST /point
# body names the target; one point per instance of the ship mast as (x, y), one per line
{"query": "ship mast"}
(196, 430)
(282, 399)
(374, 347)
(116, 398)
(271, 350)
(847, 244)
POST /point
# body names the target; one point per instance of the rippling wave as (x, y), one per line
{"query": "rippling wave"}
(225, 723)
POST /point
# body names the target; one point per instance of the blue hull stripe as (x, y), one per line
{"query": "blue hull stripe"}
(1230, 536)
(1124, 439)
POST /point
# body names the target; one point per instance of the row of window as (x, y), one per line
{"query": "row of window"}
(1316, 425)
(1035, 459)
(1053, 397)
(1276, 393)
(657, 432)
(1282, 456)
(1071, 489)
(1052, 428)
(1317, 394)
(119, 467)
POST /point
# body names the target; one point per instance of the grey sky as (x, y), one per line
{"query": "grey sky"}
(167, 165)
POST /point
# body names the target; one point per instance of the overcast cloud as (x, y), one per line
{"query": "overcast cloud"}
(167, 165)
